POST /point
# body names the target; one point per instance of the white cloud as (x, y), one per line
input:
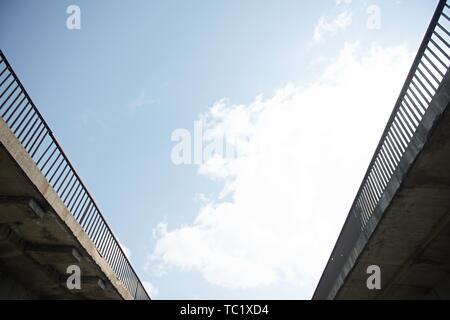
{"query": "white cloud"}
(151, 289)
(125, 250)
(302, 155)
(340, 2)
(326, 26)
(140, 101)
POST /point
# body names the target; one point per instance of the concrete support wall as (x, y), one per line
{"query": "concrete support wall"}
(12, 289)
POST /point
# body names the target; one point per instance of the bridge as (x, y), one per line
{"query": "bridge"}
(48, 219)
(400, 218)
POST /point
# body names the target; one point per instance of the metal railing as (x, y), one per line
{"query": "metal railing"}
(25, 121)
(423, 82)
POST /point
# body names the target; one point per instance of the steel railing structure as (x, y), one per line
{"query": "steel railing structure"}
(25, 121)
(423, 82)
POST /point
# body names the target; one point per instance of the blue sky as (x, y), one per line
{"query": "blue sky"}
(279, 77)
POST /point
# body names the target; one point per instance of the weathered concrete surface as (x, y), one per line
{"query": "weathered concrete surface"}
(39, 237)
(411, 243)
(11, 288)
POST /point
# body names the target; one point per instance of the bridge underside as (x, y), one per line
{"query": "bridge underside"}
(36, 244)
(412, 241)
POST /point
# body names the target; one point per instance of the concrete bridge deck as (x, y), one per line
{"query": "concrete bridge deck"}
(39, 238)
(400, 219)
(48, 219)
(411, 243)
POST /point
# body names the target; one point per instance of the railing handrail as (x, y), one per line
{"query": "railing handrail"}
(373, 184)
(92, 210)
